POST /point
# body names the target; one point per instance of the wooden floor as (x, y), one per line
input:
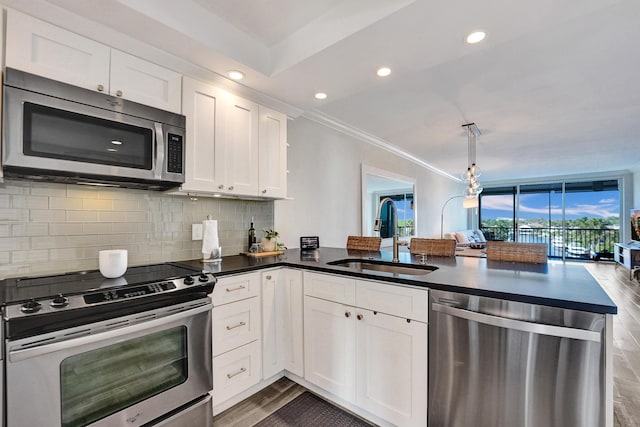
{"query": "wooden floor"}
(626, 365)
(262, 404)
(626, 340)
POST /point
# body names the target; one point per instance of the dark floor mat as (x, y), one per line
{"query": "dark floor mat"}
(309, 410)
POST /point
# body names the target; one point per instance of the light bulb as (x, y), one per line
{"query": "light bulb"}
(467, 175)
(475, 170)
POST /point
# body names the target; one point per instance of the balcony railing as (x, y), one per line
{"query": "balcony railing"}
(574, 243)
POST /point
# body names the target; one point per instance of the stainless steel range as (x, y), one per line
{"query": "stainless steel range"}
(84, 350)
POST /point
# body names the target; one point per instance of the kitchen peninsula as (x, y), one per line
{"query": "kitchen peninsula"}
(373, 341)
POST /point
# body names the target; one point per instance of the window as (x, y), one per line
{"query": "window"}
(576, 219)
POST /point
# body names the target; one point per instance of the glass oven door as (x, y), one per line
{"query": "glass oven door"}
(125, 371)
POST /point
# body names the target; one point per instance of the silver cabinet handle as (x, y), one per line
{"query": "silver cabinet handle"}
(238, 288)
(238, 372)
(347, 314)
(264, 191)
(100, 88)
(220, 187)
(235, 326)
(231, 188)
(359, 316)
(118, 93)
(268, 277)
(520, 325)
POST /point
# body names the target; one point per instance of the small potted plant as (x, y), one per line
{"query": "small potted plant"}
(270, 240)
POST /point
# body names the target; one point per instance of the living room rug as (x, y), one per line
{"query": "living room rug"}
(310, 410)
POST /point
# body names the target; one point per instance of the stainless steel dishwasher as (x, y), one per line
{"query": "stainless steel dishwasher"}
(502, 363)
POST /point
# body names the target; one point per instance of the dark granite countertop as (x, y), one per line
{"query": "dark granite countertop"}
(556, 284)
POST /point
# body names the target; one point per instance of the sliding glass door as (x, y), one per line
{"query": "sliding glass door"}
(577, 220)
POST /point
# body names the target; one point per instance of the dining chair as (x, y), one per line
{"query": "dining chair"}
(517, 252)
(433, 247)
(363, 243)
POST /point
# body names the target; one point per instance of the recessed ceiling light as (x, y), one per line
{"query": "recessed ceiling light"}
(112, 149)
(321, 95)
(116, 142)
(236, 75)
(475, 37)
(383, 71)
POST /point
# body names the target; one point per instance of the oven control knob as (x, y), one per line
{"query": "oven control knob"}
(59, 301)
(203, 277)
(188, 280)
(30, 306)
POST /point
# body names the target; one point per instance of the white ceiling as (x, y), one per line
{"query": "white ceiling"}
(553, 88)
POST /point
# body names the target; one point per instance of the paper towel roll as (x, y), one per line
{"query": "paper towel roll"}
(209, 237)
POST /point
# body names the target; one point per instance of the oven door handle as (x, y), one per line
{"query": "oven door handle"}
(17, 355)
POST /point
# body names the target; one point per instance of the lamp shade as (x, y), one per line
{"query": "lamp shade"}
(469, 203)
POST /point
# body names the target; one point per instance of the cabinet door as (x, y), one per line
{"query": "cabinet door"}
(141, 81)
(235, 288)
(241, 147)
(204, 157)
(235, 371)
(235, 324)
(392, 368)
(273, 153)
(282, 322)
(293, 321)
(329, 347)
(40, 48)
(272, 323)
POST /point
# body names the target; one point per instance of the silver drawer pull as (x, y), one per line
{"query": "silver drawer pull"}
(235, 289)
(235, 326)
(238, 372)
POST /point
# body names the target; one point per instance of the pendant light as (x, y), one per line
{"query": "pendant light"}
(473, 172)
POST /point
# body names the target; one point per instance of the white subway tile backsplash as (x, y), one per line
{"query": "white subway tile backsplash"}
(97, 204)
(49, 228)
(47, 215)
(64, 203)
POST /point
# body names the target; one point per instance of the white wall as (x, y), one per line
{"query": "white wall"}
(324, 183)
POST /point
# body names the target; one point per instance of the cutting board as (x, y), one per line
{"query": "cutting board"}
(261, 254)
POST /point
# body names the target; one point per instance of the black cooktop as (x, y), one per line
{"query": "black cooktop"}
(25, 288)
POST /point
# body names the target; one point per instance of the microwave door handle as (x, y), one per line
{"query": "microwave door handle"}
(159, 151)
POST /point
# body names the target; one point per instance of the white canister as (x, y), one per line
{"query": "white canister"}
(113, 262)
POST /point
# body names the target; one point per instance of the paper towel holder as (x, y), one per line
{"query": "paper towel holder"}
(214, 256)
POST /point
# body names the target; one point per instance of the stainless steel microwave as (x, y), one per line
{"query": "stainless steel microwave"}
(57, 132)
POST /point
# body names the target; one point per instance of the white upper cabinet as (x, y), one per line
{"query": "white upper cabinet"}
(241, 147)
(273, 153)
(141, 81)
(204, 148)
(235, 147)
(40, 48)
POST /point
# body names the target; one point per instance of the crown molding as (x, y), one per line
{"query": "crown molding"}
(342, 127)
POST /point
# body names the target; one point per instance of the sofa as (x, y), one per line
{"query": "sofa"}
(468, 238)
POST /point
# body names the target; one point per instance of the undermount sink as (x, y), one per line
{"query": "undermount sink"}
(385, 266)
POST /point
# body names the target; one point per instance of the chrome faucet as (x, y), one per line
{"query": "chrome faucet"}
(378, 224)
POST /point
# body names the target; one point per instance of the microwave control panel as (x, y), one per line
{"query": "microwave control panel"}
(174, 153)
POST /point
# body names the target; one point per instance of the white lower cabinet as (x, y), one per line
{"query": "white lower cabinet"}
(236, 371)
(282, 343)
(391, 367)
(330, 346)
(372, 359)
(237, 327)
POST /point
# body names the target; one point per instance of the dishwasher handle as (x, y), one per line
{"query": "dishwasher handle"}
(520, 325)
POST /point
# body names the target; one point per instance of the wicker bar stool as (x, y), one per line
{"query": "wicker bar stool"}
(433, 247)
(363, 243)
(517, 252)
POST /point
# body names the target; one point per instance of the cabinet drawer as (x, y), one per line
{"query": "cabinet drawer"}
(235, 288)
(235, 324)
(236, 371)
(392, 299)
(332, 288)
